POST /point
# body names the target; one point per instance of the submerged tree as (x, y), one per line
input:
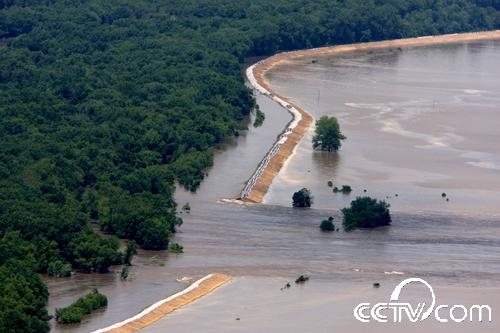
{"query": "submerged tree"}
(302, 198)
(327, 225)
(259, 117)
(130, 252)
(346, 189)
(176, 248)
(327, 135)
(186, 208)
(124, 273)
(366, 212)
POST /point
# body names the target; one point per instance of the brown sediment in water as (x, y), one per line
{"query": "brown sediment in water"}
(159, 310)
(260, 70)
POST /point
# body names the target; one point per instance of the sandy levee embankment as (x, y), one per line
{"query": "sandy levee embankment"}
(162, 308)
(259, 183)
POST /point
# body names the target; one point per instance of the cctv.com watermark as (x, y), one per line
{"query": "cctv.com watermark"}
(399, 312)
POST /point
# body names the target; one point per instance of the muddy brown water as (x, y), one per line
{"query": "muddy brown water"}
(248, 305)
(419, 122)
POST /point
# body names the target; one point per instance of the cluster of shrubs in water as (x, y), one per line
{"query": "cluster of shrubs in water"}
(345, 189)
(300, 280)
(364, 212)
(82, 307)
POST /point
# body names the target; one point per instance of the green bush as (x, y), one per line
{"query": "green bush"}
(366, 212)
(327, 225)
(302, 198)
(302, 279)
(346, 189)
(259, 117)
(82, 307)
(59, 269)
(69, 315)
(176, 248)
(327, 134)
(130, 252)
(94, 254)
(124, 273)
(186, 207)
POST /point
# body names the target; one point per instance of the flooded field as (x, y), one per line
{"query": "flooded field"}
(419, 122)
(384, 101)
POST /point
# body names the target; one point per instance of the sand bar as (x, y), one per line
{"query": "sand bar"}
(162, 308)
(259, 183)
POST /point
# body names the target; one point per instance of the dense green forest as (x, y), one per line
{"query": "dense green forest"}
(105, 104)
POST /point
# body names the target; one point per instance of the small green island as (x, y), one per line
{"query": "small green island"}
(83, 306)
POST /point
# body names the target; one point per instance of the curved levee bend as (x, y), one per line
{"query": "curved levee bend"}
(260, 181)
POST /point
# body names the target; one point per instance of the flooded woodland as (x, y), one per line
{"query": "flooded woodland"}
(419, 122)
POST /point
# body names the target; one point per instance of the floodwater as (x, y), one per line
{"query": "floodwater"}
(259, 305)
(419, 122)
(263, 246)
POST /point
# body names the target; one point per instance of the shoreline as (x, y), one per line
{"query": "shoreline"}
(160, 309)
(259, 182)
